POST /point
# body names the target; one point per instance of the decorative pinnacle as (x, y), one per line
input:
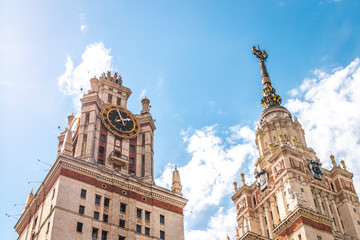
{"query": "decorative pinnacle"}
(270, 97)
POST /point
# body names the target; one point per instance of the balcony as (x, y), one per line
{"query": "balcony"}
(119, 161)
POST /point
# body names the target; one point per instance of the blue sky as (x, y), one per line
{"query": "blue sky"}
(193, 60)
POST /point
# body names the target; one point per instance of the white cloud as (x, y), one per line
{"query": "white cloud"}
(83, 27)
(142, 94)
(220, 225)
(95, 60)
(328, 108)
(207, 178)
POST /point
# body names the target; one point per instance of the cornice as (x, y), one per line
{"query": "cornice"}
(253, 236)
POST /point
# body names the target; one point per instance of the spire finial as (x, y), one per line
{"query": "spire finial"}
(270, 98)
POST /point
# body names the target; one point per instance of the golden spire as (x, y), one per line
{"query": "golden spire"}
(270, 97)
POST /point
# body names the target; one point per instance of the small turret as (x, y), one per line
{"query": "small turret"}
(176, 182)
(145, 105)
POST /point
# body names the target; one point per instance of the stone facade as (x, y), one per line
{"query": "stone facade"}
(293, 197)
(101, 185)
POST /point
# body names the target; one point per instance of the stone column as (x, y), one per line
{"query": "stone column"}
(262, 224)
(336, 215)
(318, 200)
(268, 217)
(273, 205)
(330, 214)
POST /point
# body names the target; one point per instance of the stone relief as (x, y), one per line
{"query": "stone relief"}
(261, 179)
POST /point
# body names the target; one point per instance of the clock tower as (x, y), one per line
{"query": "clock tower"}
(293, 196)
(102, 183)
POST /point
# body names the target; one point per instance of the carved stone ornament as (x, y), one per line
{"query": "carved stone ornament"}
(261, 180)
(315, 168)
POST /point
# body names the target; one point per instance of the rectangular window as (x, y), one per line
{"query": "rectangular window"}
(122, 207)
(81, 209)
(97, 199)
(101, 150)
(102, 137)
(299, 236)
(132, 148)
(83, 151)
(271, 215)
(122, 223)
(342, 224)
(83, 193)
(131, 172)
(322, 204)
(162, 235)
(122, 238)
(334, 222)
(138, 213)
(53, 194)
(79, 227)
(87, 118)
(100, 161)
(143, 165)
(104, 235)
(105, 218)
(96, 215)
(147, 216)
(106, 202)
(319, 238)
(354, 208)
(315, 203)
(94, 234)
(265, 220)
(330, 209)
(143, 139)
(109, 98)
(131, 161)
(162, 219)
(118, 101)
(147, 231)
(338, 211)
(138, 228)
(35, 221)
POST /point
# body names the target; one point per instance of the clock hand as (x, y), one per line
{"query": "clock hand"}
(120, 116)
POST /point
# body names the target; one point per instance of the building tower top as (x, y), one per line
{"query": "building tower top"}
(270, 97)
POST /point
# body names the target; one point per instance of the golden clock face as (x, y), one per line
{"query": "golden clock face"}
(120, 121)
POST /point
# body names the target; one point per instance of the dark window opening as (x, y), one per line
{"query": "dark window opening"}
(122, 223)
(79, 227)
(87, 118)
(147, 216)
(109, 98)
(96, 215)
(81, 209)
(106, 202)
(118, 101)
(162, 235)
(102, 150)
(138, 213)
(104, 235)
(122, 238)
(102, 138)
(147, 231)
(105, 218)
(97, 199)
(143, 140)
(132, 161)
(100, 161)
(94, 234)
(132, 148)
(162, 219)
(138, 228)
(83, 193)
(122, 207)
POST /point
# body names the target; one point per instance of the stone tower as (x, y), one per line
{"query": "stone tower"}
(293, 197)
(102, 183)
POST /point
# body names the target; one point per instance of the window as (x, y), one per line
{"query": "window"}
(267, 232)
(323, 205)
(271, 215)
(122, 223)
(334, 222)
(143, 165)
(132, 148)
(131, 172)
(162, 219)
(53, 194)
(35, 221)
(138, 213)
(87, 118)
(162, 235)
(354, 210)
(122, 207)
(342, 224)
(81, 209)
(109, 98)
(254, 199)
(104, 235)
(105, 218)
(319, 238)
(94, 234)
(299, 236)
(147, 216)
(143, 139)
(265, 220)
(138, 228)
(79, 227)
(315, 203)
(97, 199)
(330, 209)
(338, 211)
(83, 193)
(358, 222)
(131, 161)
(302, 190)
(147, 231)
(83, 151)
(100, 161)
(106, 202)
(332, 186)
(102, 137)
(121, 238)
(96, 215)
(118, 101)
(102, 150)
(299, 178)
